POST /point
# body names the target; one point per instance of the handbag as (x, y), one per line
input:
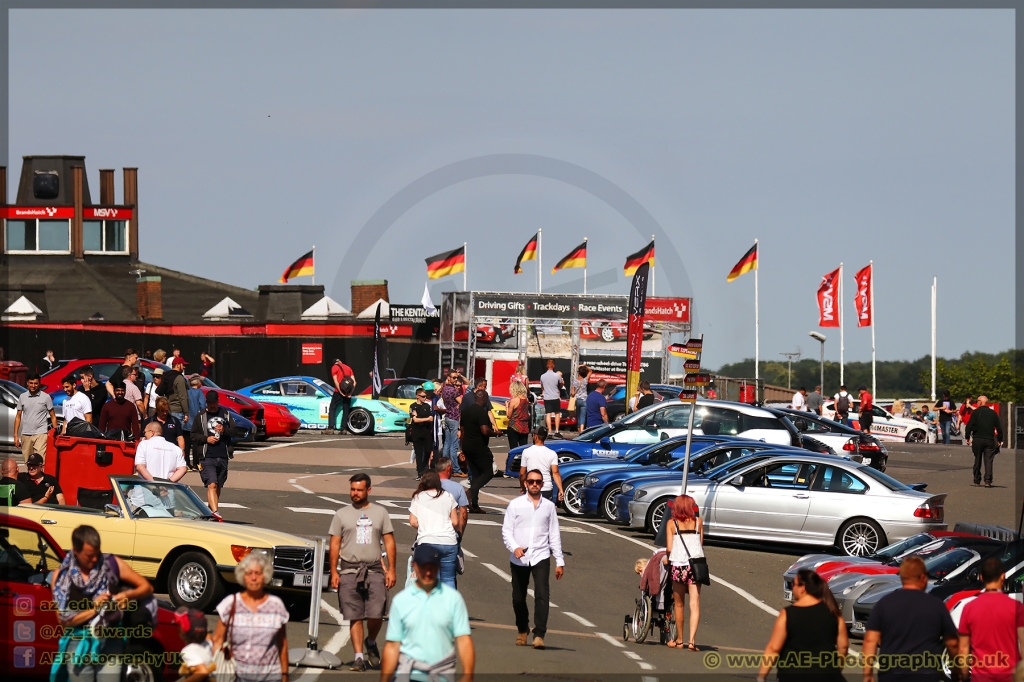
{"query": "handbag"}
(224, 664)
(572, 404)
(698, 565)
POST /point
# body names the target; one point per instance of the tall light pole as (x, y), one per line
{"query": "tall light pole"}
(820, 337)
(790, 356)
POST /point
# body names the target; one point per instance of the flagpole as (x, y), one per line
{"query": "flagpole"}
(584, 265)
(654, 289)
(464, 259)
(842, 346)
(757, 320)
(540, 264)
(312, 278)
(935, 286)
(874, 389)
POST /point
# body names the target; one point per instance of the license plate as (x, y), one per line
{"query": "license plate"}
(857, 627)
(787, 595)
(303, 580)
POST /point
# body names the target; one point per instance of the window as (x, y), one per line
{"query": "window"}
(836, 480)
(46, 184)
(879, 412)
(406, 391)
(674, 417)
(762, 423)
(718, 421)
(788, 475)
(52, 236)
(25, 556)
(725, 456)
(104, 236)
(268, 389)
(888, 481)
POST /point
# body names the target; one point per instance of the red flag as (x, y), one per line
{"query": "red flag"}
(828, 300)
(635, 328)
(862, 300)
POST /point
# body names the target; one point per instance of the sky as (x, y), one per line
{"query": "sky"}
(828, 135)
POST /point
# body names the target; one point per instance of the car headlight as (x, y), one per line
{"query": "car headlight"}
(590, 480)
(500, 413)
(640, 494)
(390, 408)
(627, 488)
(239, 552)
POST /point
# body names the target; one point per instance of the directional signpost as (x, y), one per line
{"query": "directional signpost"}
(694, 378)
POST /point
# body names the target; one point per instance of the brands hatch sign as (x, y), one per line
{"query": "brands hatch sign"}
(560, 306)
(64, 212)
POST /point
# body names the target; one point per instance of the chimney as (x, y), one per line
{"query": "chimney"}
(366, 292)
(131, 198)
(77, 241)
(149, 298)
(107, 187)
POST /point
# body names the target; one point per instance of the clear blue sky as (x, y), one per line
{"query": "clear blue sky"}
(829, 135)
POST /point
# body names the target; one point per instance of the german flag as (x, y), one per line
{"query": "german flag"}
(644, 255)
(746, 264)
(577, 258)
(448, 263)
(529, 252)
(300, 268)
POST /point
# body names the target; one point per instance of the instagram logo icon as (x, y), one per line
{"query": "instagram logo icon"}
(23, 605)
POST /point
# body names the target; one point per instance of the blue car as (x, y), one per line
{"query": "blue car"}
(599, 490)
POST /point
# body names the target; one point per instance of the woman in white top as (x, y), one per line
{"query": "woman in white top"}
(434, 514)
(684, 540)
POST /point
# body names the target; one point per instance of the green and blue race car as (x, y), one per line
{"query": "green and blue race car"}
(309, 399)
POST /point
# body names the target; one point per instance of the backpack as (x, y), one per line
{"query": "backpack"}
(843, 404)
(346, 385)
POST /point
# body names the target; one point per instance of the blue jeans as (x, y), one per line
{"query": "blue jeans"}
(449, 556)
(945, 431)
(451, 443)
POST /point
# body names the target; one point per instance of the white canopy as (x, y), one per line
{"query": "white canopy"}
(227, 309)
(371, 311)
(324, 308)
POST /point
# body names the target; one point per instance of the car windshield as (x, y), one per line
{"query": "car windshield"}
(596, 433)
(942, 565)
(153, 499)
(888, 481)
(818, 425)
(618, 394)
(208, 383)
(324, 386)
(25, 555)
(899, 548)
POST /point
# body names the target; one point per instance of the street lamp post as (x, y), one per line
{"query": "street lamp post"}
(820, 337)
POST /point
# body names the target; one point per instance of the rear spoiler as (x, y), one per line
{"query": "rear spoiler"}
(1001, 533)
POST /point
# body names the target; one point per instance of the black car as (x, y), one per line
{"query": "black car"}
(810, 424)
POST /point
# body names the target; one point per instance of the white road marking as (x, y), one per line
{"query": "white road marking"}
(396, 464)
(468, 553)
(611, 640)
(573, 529)
(481, 522)
(634, 656)
(301, 489)
(331, 499)
(334, 644)
(231, 505)
(386, 503)
(399, 517)
(529, 591)
(738, 590)
(645, 666)
(580, 619)
(497, 571)
(300, 442)
(310, 510)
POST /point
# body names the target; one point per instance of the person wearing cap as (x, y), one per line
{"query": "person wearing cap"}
(40, 487)
(344, 388)
(428, 627)
(213, 435)
(152, 393)
(197, 655)
(867, 404)
(175, 388)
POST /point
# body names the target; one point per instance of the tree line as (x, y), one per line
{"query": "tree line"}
(999, 376)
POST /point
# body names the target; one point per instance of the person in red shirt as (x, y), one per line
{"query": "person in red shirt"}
(344, 388)
(991, 630)
(867, 402)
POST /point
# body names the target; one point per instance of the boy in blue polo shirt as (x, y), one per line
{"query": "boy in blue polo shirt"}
(427, 625)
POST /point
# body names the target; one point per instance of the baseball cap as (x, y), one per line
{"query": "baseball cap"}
(190, 620)
(212, 397)
(157, 372)
(425, 554)
(35, 458)
(178, 361)
(428, 385)
(863, 388)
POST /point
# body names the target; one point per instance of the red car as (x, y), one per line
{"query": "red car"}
(281, 423)
(25, 651)
(568, 418)
(243, 405)
(102, 367)
(608, 331)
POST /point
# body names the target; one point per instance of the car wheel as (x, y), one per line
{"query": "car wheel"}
(607, 503)
(860, 537)
(565, 458)
(607, 334)
(141, 672)
(193, 581)
(655, 514)
(916, 436)
(572, 502)
(360, 422)
(262, 437)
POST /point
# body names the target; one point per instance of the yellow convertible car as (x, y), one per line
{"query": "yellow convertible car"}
(168, 534)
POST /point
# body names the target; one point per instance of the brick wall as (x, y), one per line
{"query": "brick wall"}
(149, 298)
(366, 292)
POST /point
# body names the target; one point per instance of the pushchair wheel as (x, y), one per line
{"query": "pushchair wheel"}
(641, 619)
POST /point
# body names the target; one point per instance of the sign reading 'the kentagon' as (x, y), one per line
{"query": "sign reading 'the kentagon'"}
(567, 306)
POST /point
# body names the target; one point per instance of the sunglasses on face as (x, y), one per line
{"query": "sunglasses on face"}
(534, 481)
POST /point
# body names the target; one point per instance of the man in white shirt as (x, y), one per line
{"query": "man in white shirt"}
(541, 457)
(77, 404)
(157, 458)
(530, 532)
(800, 399)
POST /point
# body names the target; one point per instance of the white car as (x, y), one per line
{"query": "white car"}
(885, 425)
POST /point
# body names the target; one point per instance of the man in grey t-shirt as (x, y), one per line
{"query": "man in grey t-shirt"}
(550, 382)
(814, 400)
(357, 572)
(34, 410)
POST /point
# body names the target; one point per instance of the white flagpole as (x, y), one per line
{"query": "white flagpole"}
(842, 346)
(464, 263)
(935, 288)
(874, 388)
(312, 278)
(654, 289)
(540, 266)
(584, 265)
(757, 320)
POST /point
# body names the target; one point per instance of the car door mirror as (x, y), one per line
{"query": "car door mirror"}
(800, 424)
(606, 443)
(737, 481)
(111, 510)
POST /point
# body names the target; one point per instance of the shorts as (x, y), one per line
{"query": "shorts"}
(865, 421)
(215, 470)
(36, 443)
(553, 406)
(356, 605)
(683, 575)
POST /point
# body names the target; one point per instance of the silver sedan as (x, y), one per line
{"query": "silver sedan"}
(803, 499)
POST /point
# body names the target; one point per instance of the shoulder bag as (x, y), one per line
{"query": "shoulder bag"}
(698, 565)
(224, 664)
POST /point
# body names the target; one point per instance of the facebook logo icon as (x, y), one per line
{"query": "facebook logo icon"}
(24, 657)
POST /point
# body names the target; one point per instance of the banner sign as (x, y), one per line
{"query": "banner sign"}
(688, 396)
(862, 300)
(615, 365)
(574, 307)
(61, 212)
(413, 313)
(680, 350)
(692, 365)
(695, 344)
(375, 380)
(668, 310)
(635, 328)
(312, 353)
(828, 295)
(697, 380)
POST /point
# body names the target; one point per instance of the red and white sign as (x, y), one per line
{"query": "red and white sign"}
(63, 212)
(862, 299)
(828, 300)
(312, 353)
(668, 309)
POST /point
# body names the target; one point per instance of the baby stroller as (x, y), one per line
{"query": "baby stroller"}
(653, 609)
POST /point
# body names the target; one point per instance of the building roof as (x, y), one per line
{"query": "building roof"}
(371, 310)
